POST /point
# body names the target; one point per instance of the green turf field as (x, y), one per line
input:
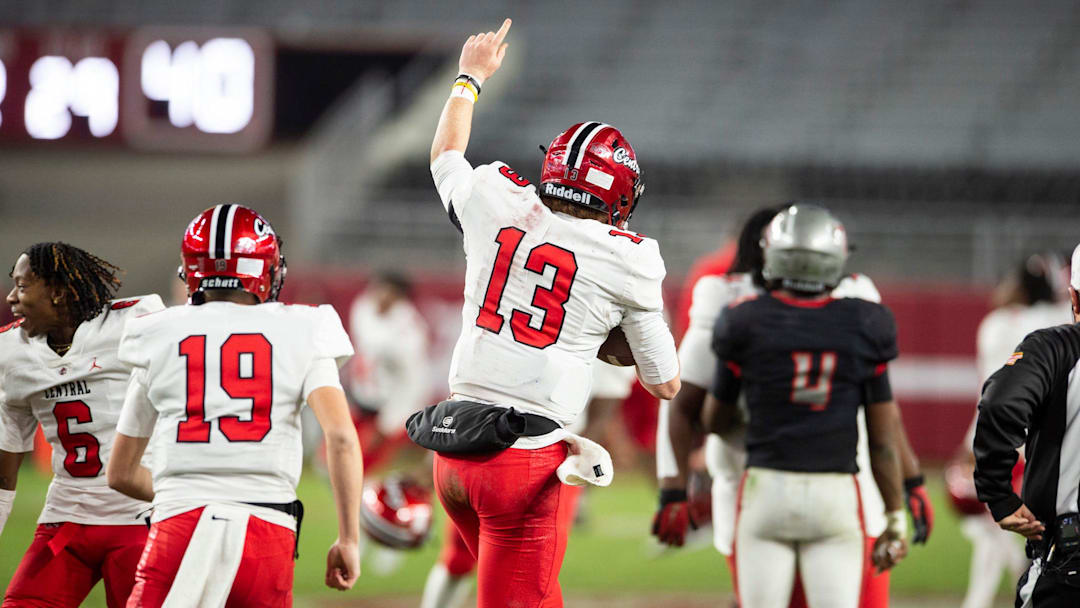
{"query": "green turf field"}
(610, 555)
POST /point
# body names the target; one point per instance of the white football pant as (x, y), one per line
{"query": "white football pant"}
(809, 521)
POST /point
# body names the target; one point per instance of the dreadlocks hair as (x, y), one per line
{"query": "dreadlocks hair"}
(749, 256)
(88, 281)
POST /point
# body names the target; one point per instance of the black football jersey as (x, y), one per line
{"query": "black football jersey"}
(805, 367)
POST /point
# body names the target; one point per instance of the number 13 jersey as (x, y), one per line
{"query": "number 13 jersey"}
(220, 387)
(77, 399)
(542, 291)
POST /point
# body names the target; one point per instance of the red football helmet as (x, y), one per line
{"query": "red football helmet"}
(396, 512)
(592, 165)
(232, 247)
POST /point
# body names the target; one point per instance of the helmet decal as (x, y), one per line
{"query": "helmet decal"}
(580, 141)
(221, 231)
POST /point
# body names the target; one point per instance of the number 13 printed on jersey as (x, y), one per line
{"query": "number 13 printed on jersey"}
(552, 300)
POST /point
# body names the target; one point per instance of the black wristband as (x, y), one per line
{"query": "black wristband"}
(672, 495)
(913, 482)
(470, 80)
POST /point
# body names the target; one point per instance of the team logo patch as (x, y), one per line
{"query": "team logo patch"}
(448, 421)
(123, 304)
(221, 265)
(622, 156)
(1013, 358)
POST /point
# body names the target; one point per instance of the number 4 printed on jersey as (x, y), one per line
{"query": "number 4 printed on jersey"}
(258, 387)
(815, 395)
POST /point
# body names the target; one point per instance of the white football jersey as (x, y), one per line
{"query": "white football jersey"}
(542, 291)
(727, 460)
(390, 370)
(220, 386)
(76, 399)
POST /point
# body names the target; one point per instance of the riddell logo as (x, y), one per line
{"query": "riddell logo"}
(567, 194)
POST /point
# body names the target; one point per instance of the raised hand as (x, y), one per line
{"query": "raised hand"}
(483, 53)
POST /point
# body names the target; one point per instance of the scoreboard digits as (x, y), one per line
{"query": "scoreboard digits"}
(151, 88)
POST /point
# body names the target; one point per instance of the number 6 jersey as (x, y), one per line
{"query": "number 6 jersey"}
(77, 399)
(542, 291)
(220, 386)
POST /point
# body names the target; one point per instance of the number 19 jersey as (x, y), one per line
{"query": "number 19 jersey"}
(77, 399)
(220, 386)
(542, 291)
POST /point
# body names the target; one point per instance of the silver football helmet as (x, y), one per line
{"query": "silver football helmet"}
(805, 249)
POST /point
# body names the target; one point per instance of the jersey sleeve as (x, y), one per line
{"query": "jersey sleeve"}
(138, 416)
(1010, 400)
(881, 332)
(131, 350)
(322, 373)
(710, 295)
(644, 287)
(17, 425)
(653, 346)
(453, 177)
(726, 346)
(331, 341)
(147, 304)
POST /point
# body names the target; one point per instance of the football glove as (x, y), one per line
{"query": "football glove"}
(918, 504)
(672, 518)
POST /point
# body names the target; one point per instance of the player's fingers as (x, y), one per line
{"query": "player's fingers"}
(501, 34)
(341, 582)
(502, 51)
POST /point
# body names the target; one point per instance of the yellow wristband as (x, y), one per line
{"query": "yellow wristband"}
(464, 90)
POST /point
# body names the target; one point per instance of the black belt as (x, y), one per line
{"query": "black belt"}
(295, 509)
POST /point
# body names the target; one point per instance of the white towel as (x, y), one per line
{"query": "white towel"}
(587, 463)
(211, 560)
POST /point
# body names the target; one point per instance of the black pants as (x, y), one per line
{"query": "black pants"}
(1040, 589)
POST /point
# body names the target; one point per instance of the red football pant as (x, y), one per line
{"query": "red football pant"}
(265, 576)
(455, 553)
(514, 516)
(875, 593)
(66, 560)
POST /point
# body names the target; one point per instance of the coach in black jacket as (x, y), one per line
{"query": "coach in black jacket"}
(1034, 401)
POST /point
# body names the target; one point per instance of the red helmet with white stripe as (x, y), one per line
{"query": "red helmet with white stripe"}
(591, 164)
(232, 247)
(396, 512)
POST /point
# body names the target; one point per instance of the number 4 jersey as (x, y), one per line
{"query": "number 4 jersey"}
(542, 291)
(77, 399)
(805, 367)
(220, 386)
